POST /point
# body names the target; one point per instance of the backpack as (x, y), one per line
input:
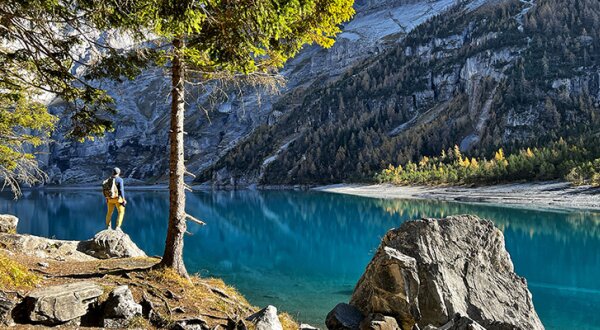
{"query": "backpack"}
(109, 188)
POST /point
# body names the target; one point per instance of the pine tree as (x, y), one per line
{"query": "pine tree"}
(36, 57)
(223, 40)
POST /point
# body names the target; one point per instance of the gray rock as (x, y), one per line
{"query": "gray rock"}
(266, 319)
(8, 223)
(6, 307)
(390, 286)
(463, 267)
(44, 248)
(379, 322)
(460, 322)
(61, 303)
(120, 307)
(111, 244)
(344, 316)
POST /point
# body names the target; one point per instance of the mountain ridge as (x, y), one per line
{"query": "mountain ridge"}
(506, 74)
(138, 142)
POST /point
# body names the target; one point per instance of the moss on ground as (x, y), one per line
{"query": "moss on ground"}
(15, 276)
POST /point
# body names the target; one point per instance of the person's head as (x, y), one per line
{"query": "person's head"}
(116, 171)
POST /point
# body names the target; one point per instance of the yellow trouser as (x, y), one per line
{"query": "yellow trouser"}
(112, 203)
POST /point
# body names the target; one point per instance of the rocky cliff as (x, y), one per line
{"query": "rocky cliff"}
(484, 75)
(405, 79)
(440, 273)
(215, 126)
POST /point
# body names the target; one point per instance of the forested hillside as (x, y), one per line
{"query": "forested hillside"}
(509, 74)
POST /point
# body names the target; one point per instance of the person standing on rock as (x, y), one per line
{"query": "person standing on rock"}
(114, 192)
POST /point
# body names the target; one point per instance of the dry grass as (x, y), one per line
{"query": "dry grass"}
(139, 322)
(288, 322)
(15, 276)
(208, 298)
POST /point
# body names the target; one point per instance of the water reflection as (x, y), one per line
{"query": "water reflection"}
(304, 251)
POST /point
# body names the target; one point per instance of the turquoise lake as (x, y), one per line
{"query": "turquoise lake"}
(304, 251)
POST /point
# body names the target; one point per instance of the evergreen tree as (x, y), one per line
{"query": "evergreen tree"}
(222, 40)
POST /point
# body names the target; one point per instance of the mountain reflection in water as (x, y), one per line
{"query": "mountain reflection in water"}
(304, 251)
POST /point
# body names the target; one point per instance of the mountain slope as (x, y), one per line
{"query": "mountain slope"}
(482, 75)
(215, 126)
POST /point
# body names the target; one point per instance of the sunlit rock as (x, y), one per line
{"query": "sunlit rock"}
(266, 319)
(111, 244)
(61, 303)
(463, 267)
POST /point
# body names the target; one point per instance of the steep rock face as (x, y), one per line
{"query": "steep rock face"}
(138, 143)
(485, 75)
(390, 286)
(463, 268)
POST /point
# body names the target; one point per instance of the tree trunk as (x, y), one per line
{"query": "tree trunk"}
(173, 255)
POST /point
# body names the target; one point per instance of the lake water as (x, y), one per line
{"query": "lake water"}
(304, 251)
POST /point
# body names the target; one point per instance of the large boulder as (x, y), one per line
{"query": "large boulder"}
(266, 319)
(8, 223)
(389, 286)
(111, 244)
(462, 266)
(61, 303)
(120, 308)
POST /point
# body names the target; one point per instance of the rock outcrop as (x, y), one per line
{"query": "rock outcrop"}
(427, 271)
(111, 244)
(45, 248)
(120, 308)
(8, 223)
(61, 303)
(266, 319)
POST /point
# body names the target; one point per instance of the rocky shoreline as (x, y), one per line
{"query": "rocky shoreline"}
(445, 274)
(108, 282)
(551, 195)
